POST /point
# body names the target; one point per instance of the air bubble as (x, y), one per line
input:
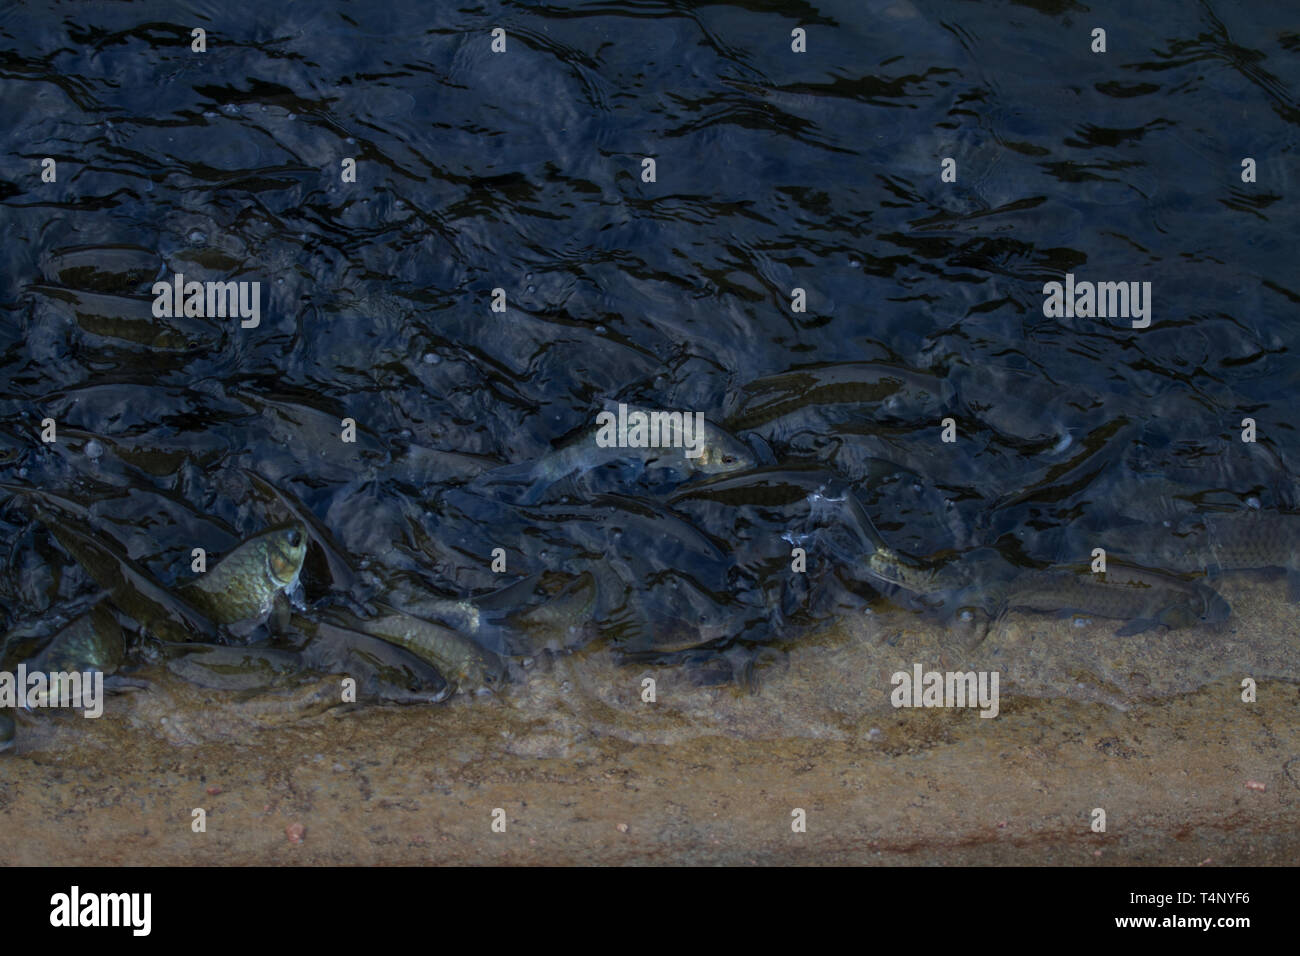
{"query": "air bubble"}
(432, 358)
(197, 235)
(94, 450)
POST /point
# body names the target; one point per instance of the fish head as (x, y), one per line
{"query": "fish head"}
(286, 548)
(915, 400)
(485, 673)
(1215, 609)
(720, 453)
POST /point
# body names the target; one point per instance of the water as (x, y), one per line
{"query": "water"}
(522, 172)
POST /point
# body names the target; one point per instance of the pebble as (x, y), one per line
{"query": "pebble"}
(213, 790)
(622, 828)
(1256, 785)
(295, 832)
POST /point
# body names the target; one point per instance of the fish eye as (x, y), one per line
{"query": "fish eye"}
(294, 537)
(728, 459)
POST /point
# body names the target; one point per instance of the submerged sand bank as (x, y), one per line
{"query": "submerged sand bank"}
(1151, 728)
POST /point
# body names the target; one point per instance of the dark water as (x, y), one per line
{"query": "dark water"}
(522, 171)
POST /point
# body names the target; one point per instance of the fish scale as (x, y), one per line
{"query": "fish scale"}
(1224, 542)
(243, 586)
(1121, 592)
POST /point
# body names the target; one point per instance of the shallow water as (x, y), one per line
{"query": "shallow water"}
(775, 171)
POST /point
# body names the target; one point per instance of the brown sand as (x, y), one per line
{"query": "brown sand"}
(1151, 728)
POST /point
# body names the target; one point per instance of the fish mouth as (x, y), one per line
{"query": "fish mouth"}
(285, 556)
(1217, 609)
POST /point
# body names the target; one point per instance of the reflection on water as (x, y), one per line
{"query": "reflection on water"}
(796, 272)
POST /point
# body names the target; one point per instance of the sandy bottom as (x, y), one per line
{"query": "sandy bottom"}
(1150, 728)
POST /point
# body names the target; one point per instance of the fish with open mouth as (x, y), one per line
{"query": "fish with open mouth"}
(244, 585)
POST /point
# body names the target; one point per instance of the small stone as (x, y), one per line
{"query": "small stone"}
(213, 790)
(622, 828)
(295, 832)
(1256, 785)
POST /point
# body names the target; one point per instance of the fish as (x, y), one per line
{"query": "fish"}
(457, 657)
(126, 318)
(7, 732)
(223, 667)
(91, 642)
(107, 268)
(718, 453)
(1143, 597)
(384, 672)
(243, 586)
(769, 486)
(898, 394)
(1213, 543)
(847, 532)
(563, 621)
(130, 587)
